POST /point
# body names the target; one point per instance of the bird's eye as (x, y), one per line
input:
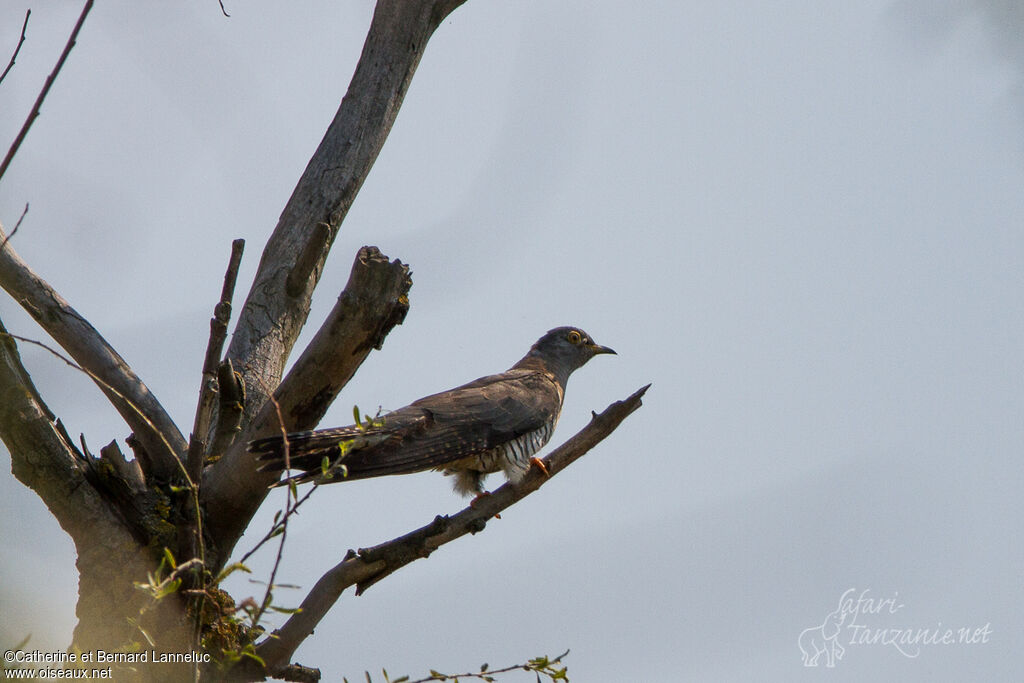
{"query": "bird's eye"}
(574, 337)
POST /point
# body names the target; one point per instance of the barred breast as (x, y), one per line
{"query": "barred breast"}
(511, 457)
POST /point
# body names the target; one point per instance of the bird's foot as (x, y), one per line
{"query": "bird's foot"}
(539, 464)
(478, 497)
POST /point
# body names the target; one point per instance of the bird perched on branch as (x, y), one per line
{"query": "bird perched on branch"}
(496, 423)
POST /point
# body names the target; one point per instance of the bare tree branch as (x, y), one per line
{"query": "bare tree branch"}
(373, 302)
(271, 319)
(299, 674)
(43, 459)
(375, 299)
(25, 422)
(21, 41)
(46, 88)
(140, 409)
(365, 567)
(208, 389)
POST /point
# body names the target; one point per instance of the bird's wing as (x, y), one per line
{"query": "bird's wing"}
(464, 421)
(433, 431)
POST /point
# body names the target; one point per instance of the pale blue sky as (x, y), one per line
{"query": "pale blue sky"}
(800, 220)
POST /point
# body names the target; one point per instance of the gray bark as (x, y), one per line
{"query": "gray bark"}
(110, 557)
(152, 426)
(271, 318)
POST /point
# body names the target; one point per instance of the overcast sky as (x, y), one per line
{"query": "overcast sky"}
(802, 221)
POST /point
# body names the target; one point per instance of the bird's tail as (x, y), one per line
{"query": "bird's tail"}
(318, 455)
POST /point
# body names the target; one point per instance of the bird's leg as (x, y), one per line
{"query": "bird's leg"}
(539, 464)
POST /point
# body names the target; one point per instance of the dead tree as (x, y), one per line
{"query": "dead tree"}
(170, 518)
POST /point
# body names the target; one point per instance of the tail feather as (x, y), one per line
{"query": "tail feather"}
(307, 450)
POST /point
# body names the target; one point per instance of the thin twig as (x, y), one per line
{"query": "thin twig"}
(46, 89)
(10, 64)
(223, 11)
(292, 494)
(274, 527)
(540, 665)
(3, 245)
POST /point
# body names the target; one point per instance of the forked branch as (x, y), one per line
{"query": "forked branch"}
(373, 302)
(375, 299)
(278, 302)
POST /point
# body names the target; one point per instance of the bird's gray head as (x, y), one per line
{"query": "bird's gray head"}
(561, 351)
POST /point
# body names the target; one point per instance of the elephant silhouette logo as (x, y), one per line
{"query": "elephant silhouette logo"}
(823, 640)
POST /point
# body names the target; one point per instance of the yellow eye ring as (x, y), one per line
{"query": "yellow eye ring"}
(574, 337)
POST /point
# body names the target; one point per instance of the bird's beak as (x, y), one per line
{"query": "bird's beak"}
(596, 349)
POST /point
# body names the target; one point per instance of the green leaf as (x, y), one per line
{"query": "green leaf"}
(355, 414)
(231, 569)
(286, 610)
(169, 556)
(325, 465)
(145, 635)
(168, 588)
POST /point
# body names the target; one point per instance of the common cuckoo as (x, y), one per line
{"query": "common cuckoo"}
(496, 423)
